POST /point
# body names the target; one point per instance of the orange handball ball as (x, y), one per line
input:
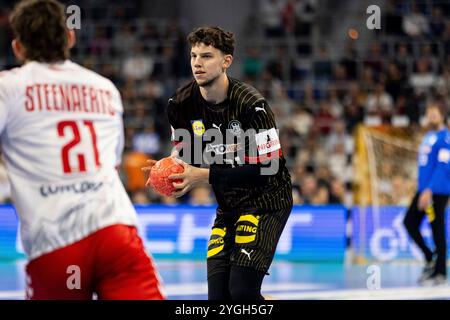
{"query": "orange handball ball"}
(353, 33)
(159, 174)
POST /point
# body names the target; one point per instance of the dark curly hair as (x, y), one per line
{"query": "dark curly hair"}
(214, 36)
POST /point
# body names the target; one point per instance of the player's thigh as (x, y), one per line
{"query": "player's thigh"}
(65, 273)
(414, 216)
(220, 245)
(124, 270)
(256, 238)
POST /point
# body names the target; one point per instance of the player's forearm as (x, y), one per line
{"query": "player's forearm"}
(241, 176)
(201, 175)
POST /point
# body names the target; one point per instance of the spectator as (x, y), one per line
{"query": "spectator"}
(415, 23)
(367, 80)
(437, 23)
(100, 43)
(201, 195)
(348, 60)
(443, 83)
(353, 115)
(252, 65)
(277, 67)
(308, 189)
(147, 141)
(375, 58)
(322, 65)
(423, 79)
(302, 121)
(140, 197)
(402, 58)
(395, 81)
(322, 196)
(337, 192)
(324, 119)
(138, 66)
(124, 39)
(271, 15)
(337, 161)
(337, 136)
(337, 109)
(380, 102)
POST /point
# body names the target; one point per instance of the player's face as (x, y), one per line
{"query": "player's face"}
(208, 64)
(434, 117)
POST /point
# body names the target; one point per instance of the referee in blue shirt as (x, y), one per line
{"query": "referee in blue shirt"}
(432, 195)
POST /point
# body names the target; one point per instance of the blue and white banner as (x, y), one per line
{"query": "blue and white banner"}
(379, 233)
(182, 231)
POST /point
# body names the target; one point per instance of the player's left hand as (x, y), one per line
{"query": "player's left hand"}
(148, 168)
(425, 199)
(190, 177)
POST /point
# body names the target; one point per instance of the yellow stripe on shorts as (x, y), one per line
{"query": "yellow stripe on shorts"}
(219, 232)
(214, 251)
(245, 239)
(250, 218)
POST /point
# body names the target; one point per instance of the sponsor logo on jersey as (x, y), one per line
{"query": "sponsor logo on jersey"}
(79, 187)
(267, 141)
(198, 127)
(223, 148)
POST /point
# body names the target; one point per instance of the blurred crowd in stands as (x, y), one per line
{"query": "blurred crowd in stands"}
(318, 94)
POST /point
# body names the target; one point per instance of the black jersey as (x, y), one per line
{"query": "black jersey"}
(237, 183)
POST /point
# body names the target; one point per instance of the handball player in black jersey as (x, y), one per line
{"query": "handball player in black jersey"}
(225, 134)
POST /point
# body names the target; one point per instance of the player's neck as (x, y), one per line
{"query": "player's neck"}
(217, 91)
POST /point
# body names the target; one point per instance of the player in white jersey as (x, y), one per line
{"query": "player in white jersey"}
(62, 137)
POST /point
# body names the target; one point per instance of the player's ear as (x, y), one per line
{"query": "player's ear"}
(227, 61)
(19, 50)
(71, 38)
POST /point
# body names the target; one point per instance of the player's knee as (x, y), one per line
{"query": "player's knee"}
(405, 222)
(408, 222)
(240, 291)
(245, 283)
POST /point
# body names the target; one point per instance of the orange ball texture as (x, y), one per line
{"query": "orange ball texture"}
(159, 174)
(353, 33)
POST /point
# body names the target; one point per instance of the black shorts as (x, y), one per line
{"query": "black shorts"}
(245, 239)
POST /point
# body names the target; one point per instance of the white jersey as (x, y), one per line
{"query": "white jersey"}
(62, 137)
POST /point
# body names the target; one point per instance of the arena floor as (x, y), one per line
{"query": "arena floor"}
(287, 280)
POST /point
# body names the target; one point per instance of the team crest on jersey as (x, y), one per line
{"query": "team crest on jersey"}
(235, 127)
(198, 127)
